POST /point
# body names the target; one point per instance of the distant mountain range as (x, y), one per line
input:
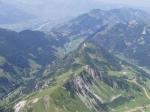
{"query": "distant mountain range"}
(94, 20)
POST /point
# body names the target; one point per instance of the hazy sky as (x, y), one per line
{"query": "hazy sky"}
(57, 8)
(131, 2)
(145, 3)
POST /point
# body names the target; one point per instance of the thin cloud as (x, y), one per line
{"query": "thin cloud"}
(143, 3)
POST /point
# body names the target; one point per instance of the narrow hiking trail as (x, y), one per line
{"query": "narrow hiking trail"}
(146, 94)
(144, 89)
(138, 108)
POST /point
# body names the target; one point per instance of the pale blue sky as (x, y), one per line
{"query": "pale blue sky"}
(145, 3)
(56, 8)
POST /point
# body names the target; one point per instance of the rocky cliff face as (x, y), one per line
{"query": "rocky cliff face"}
(83, 84)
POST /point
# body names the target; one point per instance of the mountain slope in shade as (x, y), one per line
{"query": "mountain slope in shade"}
(131, 39)
(24, 56)
(91, 80)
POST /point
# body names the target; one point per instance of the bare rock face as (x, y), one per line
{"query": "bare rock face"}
(81, 85)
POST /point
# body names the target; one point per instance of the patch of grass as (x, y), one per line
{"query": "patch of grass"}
(2, 60)
(73, 44)
(103, 91)
(129, 73)
(139, 101)
(34, 66)
(146, 109)
(59, 101)
(60, 80)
